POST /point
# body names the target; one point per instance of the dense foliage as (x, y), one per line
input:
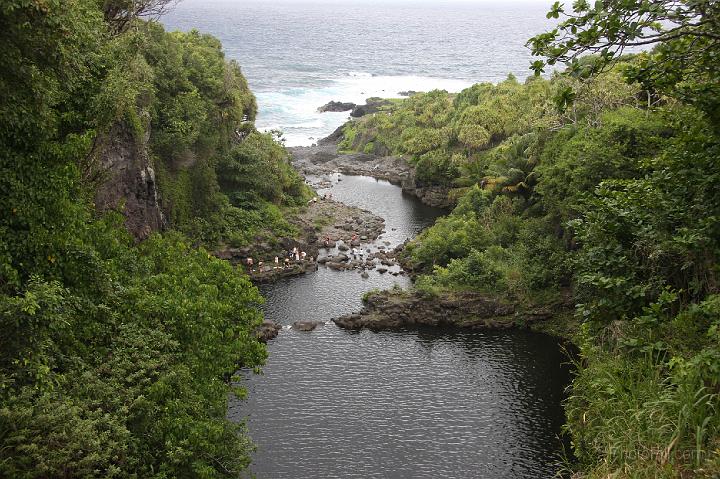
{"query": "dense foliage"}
(685, 33)
(116, 358)
(220, 180)
(600, 188)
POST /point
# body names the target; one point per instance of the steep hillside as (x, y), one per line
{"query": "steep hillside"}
(117, 356)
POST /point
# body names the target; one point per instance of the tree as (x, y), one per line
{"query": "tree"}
(685, 35)
(120, 13)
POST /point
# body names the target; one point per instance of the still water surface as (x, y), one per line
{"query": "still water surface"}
(419, 403)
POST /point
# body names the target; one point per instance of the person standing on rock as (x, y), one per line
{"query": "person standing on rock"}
(277, 262)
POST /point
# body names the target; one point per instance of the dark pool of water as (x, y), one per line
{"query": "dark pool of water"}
(418, 403)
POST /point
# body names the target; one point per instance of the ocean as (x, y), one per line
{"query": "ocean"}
(300, 54)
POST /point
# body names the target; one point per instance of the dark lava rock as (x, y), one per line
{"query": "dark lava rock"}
(333, 137)
(372, 105)
(267, 330)
(337, 106)
(306, 325)
(388, 310)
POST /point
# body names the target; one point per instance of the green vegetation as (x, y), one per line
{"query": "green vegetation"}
(600, 185)
(220, 181)
(116, 358)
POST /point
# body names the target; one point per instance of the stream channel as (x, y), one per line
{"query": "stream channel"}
(416, 403)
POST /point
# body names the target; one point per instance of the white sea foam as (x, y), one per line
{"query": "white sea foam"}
(294, 111)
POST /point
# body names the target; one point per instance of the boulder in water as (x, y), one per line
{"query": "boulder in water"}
(336, 106)
(267, 330)
(306, 325)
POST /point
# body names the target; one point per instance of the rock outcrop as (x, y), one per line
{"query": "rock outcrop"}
(337, 106)
(128, 181)
(306, 325)
(372, 105)
(324, 159)
(322, 221)
(393, 310)
(431, 195)
(267, 330)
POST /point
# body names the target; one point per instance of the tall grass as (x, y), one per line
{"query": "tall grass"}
(630, 415)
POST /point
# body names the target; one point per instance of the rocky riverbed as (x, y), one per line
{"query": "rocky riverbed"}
(323, 224)
(383, 260)
(324, 159)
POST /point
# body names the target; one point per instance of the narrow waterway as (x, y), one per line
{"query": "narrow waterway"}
(421, 403)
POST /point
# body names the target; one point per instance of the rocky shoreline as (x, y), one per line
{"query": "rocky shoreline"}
(386, 310)
(320, 221)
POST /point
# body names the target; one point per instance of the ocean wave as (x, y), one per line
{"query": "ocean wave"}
(294, 110)
(359, 74)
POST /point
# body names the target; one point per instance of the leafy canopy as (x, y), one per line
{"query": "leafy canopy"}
(685, 62)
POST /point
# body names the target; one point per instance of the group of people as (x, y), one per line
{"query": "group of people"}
(326, 196)
(293, 256)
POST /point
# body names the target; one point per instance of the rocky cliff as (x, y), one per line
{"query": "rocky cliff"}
(128, 180)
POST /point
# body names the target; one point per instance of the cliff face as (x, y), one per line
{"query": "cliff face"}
(128, 181)
(431, 195)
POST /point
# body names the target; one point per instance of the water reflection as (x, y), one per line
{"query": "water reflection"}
(419, 403)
